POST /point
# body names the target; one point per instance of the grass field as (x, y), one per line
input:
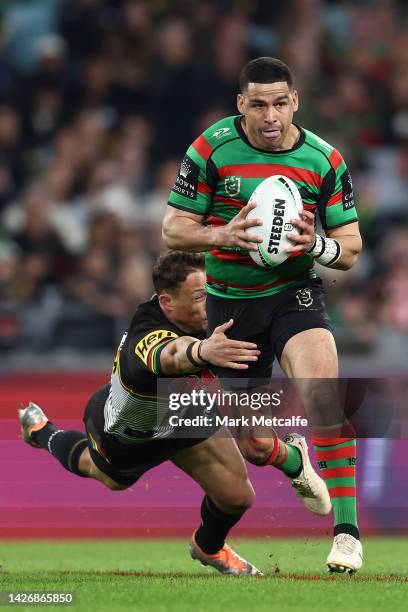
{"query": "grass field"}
(156, 576)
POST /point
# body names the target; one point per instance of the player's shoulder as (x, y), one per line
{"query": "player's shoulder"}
(316, 141)
(222, 131)
(149, 316)
(215, 136)
(149, 328)
(323, 149)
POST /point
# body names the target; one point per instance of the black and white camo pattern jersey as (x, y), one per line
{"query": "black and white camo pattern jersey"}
(133, 410)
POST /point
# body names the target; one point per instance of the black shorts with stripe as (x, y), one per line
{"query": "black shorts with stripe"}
(123, 462)
(269, 321)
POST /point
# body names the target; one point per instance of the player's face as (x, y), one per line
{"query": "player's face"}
(188, 305)
(267, 110)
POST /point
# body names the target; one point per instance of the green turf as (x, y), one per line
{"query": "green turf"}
(158, 576)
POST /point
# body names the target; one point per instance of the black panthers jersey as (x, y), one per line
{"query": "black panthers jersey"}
(133, 407)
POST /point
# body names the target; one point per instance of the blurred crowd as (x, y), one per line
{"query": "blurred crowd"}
(99, 100)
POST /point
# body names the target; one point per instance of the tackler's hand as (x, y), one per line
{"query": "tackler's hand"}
(226, 353)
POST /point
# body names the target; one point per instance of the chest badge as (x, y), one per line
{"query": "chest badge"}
(233, 185)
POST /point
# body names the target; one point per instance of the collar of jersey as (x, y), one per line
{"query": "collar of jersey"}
(242, 134)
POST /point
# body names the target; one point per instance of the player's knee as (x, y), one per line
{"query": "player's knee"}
(114, 486)
(96, 473)
(109, 483)
(85, 463)
(321, 393)
(237, 499)
(321, 402)
(247, 497)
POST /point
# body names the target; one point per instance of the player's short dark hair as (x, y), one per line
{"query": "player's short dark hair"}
(172, 268)
(265, 70)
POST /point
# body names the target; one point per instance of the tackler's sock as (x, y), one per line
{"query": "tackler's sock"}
(66, 446)
(211, 534)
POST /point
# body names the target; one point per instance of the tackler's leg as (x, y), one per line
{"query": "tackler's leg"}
(217, 466)
(69, 447)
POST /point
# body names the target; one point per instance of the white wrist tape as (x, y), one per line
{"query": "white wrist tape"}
(326, 251)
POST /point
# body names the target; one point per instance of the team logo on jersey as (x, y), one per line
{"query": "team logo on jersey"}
(347, 190)
(222, 132)
(304, 297)
(186, 183)
(150, 340)
(233, 185)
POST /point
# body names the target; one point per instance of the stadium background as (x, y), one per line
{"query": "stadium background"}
(98, 101)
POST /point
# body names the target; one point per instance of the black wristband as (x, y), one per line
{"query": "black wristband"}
(189, 355)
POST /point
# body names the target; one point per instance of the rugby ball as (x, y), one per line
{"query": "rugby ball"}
(277, 201)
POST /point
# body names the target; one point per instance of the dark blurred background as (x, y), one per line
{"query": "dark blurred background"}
(99, 100)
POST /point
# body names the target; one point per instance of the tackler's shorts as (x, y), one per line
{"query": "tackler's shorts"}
(125, 462)
(269, 321)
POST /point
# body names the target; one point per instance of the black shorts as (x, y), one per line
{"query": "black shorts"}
(125, 463)
(269, 321)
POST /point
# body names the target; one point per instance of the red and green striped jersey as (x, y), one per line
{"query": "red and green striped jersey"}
(216, 179)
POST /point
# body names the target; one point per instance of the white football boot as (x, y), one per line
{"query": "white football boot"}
(308, 486)
(346, 554)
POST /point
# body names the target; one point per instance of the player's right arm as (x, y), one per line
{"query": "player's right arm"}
(190, 202)
(185, 231)
(187, 354)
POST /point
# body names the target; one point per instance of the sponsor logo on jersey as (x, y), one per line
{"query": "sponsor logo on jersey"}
(150, 340)
(304, 297)
(187, 179)
(347, 190)
(233, 185)
(185, 168)
(277, 226)
(222, 132)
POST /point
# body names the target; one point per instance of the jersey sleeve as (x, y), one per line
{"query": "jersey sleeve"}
(193, 188)
(148, 346)
(336, 203)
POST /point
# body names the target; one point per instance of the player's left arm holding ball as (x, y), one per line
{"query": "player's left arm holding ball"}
(341, 243)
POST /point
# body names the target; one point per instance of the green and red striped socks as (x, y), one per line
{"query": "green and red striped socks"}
(336, 458)
(286, 458)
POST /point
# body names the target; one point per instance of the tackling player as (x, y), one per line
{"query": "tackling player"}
(124, 439)
(280, 309)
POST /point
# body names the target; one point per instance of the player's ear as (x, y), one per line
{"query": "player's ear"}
(295, 99)
(166, 302)
(240, 103)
